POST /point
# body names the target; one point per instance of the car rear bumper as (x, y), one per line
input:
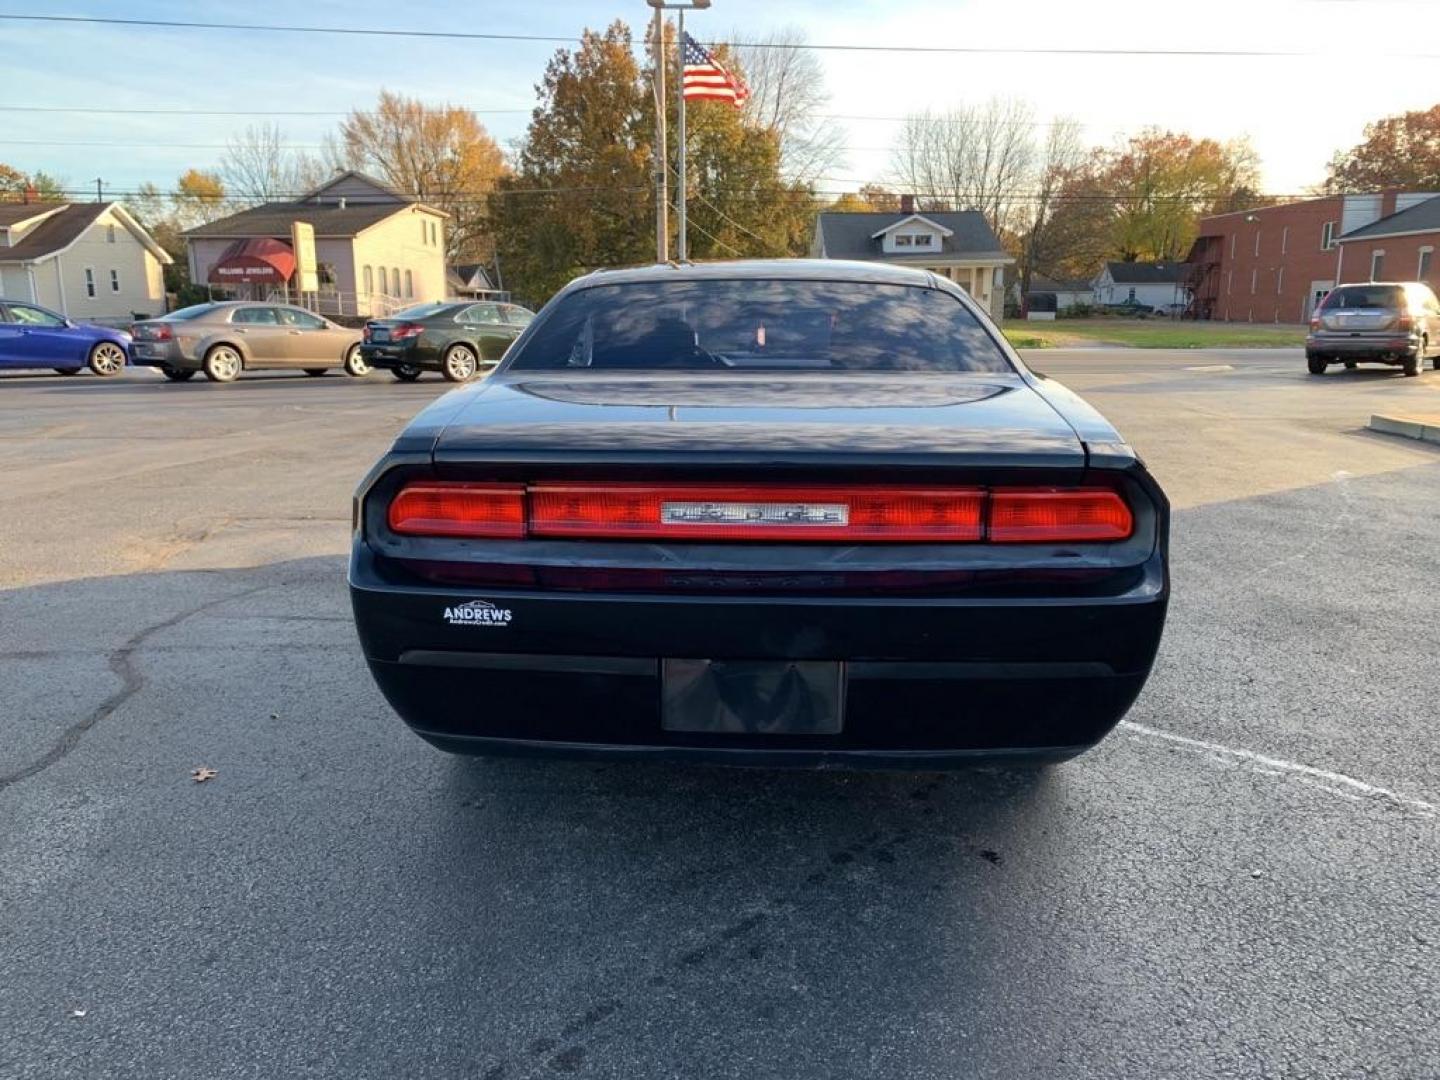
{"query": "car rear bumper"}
(157, 355)
(927, 682)
(389, 357)
(1356, 348)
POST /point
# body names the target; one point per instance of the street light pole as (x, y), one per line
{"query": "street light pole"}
(682, 246)
(662, 163)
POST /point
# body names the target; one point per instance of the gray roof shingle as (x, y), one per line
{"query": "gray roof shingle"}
(275, 219)
(1422, 217)
(11, 212)
(1146, 273)
(55, 232)
(849, 235)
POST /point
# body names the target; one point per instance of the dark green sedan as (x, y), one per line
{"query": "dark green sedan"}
(457, 338)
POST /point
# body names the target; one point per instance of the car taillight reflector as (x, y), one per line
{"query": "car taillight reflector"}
(720, 512)
(1021, 515)
(491, 511)
(406, 330)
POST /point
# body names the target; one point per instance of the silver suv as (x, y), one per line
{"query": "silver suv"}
(1381, 321)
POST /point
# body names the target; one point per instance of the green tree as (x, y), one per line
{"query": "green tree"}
(440, 154)
(1397, 151)
(16, 185)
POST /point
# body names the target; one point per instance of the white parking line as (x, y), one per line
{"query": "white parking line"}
(1334, 783)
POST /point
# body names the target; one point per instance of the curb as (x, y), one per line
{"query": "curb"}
(1423, 428)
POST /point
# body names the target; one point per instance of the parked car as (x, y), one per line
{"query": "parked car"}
(35, 337)
(1129, 309)
(456, 338)
(1383, 322)
(779, 512)
(224, 339)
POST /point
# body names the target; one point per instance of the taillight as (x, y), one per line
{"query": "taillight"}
(161, 331)
(718, 512)
(1315, 321)
(1406, 322)
(1033, 515)
(778, 513)
(406, 330)
(365, 334)
(489, 511)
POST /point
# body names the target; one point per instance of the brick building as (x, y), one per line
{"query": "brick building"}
(1275, 263)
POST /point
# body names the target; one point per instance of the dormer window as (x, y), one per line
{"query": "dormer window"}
(924, 240)
(904, 240)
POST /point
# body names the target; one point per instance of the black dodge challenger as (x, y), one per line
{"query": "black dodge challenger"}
(811, 513)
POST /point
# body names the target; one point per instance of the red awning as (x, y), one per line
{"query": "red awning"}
(264, 260)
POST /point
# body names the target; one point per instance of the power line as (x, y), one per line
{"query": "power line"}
(215, 112)
(463, 35)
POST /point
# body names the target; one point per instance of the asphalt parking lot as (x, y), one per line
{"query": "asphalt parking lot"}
(1243, 881)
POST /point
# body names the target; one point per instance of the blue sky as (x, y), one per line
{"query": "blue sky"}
(1286, 105)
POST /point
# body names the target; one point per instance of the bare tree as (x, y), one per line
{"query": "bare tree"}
(972, 157)
(257, 166)
(1061, 155)
(787, 96)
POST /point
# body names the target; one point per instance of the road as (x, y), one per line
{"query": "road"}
(1243, 881)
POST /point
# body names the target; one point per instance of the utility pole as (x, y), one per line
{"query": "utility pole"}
(662, 193)
(99, 195)
(682, 248)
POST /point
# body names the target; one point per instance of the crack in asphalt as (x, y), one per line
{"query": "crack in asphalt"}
(122, 663)
(564, 1049)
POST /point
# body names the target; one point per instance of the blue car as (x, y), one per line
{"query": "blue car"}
(36, 337)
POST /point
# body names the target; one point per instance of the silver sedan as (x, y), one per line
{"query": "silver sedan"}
(224, 339)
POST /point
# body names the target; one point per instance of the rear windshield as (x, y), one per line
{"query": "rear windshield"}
(1365, 296)
(422, 311)
(760, 326)
(194, 311)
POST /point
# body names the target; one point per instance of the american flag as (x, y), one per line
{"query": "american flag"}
(706, 80)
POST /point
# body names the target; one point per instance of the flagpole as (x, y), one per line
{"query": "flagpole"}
(682, 246)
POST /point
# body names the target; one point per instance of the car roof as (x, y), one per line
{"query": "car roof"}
(860, 272)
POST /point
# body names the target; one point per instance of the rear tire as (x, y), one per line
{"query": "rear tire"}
(1413, 363)
(178, 374)
(107, 359)
(1316, 365)
(67, 371)
(405, 373)
(315, 372)
(460, 364)
(355, 364)
(1350, 365)
(223, 364)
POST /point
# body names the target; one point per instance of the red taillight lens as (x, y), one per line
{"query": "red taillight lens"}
(490, 511)
(774, 513)
(161, 331)
(1406, 323)
(719, 512)
(405, 331)
(1033, 515)
(365, 335)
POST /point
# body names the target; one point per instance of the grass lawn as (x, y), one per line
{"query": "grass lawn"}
(1152, 334)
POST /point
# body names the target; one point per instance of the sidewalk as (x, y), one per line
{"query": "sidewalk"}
(1423, 427)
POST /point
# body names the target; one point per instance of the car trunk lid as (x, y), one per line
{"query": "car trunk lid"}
(991, 420)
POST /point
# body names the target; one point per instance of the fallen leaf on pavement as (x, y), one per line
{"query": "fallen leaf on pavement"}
(202, 774)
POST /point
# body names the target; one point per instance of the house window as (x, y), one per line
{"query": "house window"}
(395, 279)
(109, 234)
(1424, 271)
(424, 231)
(114, 280)
(384, 281)
(903, 240)
(409, 286)
(1377, 265)
(89, 281)
(923, 240)
(434, 235)
(1284, 239)
(369, 280)
(1327, 236)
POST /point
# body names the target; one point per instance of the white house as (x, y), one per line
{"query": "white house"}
(84, 260)
(1148, 284)
(959, 245)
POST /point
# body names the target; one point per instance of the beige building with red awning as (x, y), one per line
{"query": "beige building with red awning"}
(376, 250)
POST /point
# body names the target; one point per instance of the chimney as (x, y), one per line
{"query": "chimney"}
(907, 204)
